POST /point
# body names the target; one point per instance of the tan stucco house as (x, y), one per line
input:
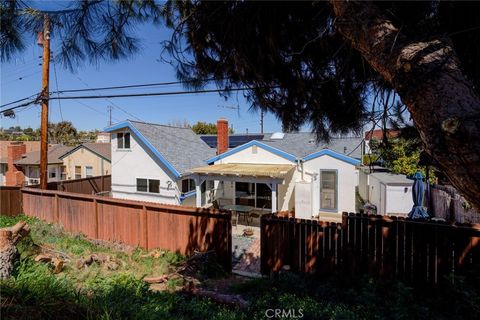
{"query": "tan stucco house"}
(86, 160)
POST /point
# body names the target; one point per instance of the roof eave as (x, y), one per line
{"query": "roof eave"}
(129, 125)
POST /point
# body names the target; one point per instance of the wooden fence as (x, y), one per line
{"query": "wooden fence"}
(90, 185)
(10, 201)
(384, 247)
(148, 225)
(447, 203)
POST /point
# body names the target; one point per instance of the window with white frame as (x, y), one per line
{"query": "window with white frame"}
(123, 140)
(328, 189)
(148, 185)
(52, 173)
(88, 171)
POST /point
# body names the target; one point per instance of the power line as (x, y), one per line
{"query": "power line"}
(56, 83)
(156, 84)
(149, 94)
(131, 95)
(110, 101)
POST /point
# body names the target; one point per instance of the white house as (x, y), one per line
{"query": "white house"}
(150, 161)
(288, 171)
(281, 171)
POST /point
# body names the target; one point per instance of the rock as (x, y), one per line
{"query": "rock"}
(57, 265)
(43, 257)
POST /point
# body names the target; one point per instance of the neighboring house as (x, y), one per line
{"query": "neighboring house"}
(149, 161)
(29, 147)
(103, 137)
(390, 193)
(377, 134)
(30, 164)
(280, 171)
(86, 160)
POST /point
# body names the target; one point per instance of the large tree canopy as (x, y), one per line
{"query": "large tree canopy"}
(317, 62)
(310, 62)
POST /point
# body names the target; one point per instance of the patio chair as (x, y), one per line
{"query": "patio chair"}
(256, 213)
(215, 204)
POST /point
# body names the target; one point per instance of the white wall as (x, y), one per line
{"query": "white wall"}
(363, 184)
(399, 201)
(139, 162)
(347, 181)
(33, 172)
(390, 199)
(248, 156)
(347, 178)
(285, 192)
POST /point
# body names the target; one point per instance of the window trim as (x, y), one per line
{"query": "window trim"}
(86, 171)
(121, 139)
(148, 186)
(75, 172)
(336, 190)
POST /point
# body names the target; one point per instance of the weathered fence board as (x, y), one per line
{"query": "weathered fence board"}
(148, 225)
(10, 201)
(91, 185)
(417, 252)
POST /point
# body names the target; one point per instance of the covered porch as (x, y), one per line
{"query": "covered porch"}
(241, 186)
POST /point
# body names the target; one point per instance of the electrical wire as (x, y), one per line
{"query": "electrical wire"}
(156, 84)
(56, 83)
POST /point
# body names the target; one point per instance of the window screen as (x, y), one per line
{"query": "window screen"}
(78, 172)
(154, 186)
(88, 171)
(126, 138)
(120, 140)
(142, 185)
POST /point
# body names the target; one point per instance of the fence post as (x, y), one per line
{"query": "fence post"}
(56, 218)
(145, 227)
(95, 204)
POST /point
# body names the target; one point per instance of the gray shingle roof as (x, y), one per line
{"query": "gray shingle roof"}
(181, 147)
(102, 149)
(301, 144)
(54, 154)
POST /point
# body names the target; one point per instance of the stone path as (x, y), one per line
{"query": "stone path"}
(246, 254)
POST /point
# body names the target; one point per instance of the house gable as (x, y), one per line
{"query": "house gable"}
(251, 144)
(333, 154)
(78, 148)
(151, 148)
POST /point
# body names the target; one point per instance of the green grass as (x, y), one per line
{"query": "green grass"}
(95, 293)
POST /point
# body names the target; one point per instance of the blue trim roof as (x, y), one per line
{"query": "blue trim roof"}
(273, 150)
(187, 195)
(128, 124)
(332, 154)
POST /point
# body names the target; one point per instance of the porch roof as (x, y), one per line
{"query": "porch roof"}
(276, 171)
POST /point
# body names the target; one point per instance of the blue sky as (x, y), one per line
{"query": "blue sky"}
(144, 67)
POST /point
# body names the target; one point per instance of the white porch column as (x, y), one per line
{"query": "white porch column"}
(274, 197)
(198, 192)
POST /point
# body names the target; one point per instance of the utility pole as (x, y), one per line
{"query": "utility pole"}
(44, 117)
(261, 121)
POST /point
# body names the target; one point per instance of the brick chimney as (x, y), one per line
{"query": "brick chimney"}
(222, 135)
(14, 176)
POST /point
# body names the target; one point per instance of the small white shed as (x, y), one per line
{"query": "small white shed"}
(390, 193)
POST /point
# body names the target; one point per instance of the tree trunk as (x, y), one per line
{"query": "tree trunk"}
(8, 251)
(427, 76)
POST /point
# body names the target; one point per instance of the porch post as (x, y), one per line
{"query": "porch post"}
(274, 197)
(198, 192)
